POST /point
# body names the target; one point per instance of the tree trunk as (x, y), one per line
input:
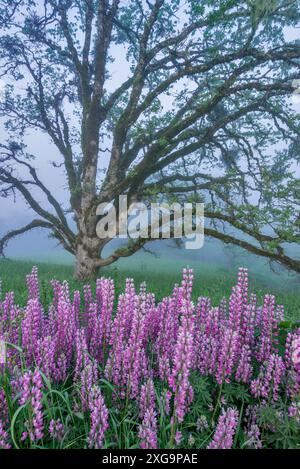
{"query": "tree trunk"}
(88, 247)
(85, 266)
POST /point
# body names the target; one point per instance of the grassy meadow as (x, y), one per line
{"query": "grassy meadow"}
(160, 275)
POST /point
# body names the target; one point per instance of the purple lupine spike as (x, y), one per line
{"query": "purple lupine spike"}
(32, 326)
(31, 395)
(99, 419)
(269, 379)
(105, 301)
(225, 431)
(182, 363)
(56, 287)
(7, 306)
(45, 358)
(147, 397)
(76, 307)
(133, 354)
(56, 429)
(202, 309)
(88, 299)
(187, 283)
(295, 356)
(88, 379)
(95, 332)
(81, 353)
(4, 413)
(130, 299)
(228, 355)
(248, 322)
(4, 437)
(148, 430)
(33, 284)
(244, 368)
(167, 328)
(65, 328)
(238, 300)
(268, 327)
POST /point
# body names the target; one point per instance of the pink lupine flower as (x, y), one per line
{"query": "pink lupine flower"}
(228, 355)
(95, 332)
(88, 379)
(145, 342)
(32, 329)
(269, 379)
(294, 411)
(296, 353)
(31, 395)
(88, 299)
(225, 431)
(178, 437)
(182, 362)
(81, 353)
(105, 299)
(134, 352)
(113, 369)
(45, 358)
(3, 407)
(165, 401)
(148, 430)
(269, 329)
(147, 397)
(244, 368)
(56, 429)
(33, 284)
(4, 437)
(99, 419)
(187, 283)
(253, 437)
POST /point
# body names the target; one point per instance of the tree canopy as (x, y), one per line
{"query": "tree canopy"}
(202, 110)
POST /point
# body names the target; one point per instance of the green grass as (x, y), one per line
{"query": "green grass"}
(160, 276)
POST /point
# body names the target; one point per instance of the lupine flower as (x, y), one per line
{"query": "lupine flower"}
(244, 368)
(4, 437)
(33, 284)
(268, 325)
(31, 329)
(253, 437)
(228, 355)
(148, 431)
(225, 431)
(178, 437)
(201, 424)
(88, 379)
(133, 354)
(294, 411)
(99, 419)
(182, 362)
(3, 407)
(187, 283)
(147, 397)
(56, 429)
(165, 402)
(143, 343)
(269, 379)
(296, 353)
(32, 396)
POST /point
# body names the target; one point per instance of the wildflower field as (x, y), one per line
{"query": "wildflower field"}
(100, 367)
